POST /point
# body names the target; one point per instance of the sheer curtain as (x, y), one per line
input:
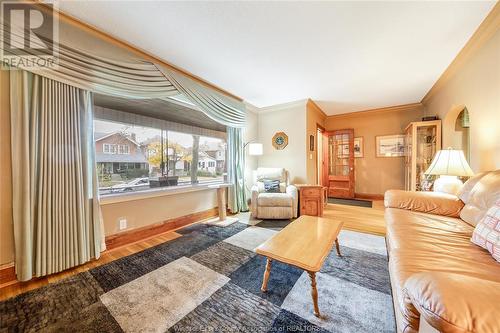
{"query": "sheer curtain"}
(56, 212)
(237, 197)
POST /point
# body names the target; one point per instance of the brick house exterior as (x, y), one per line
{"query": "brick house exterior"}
(116, 153)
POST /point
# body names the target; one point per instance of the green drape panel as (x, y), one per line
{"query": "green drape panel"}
(56, 213)
(223, 109)
(237, 197)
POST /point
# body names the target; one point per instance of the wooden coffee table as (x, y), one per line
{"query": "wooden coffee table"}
(305, 243)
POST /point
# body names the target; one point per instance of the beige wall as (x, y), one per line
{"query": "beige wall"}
(251, 134)
(375, 175)
(315, 117)
(475, 85)
(140, 213)
(6, 232)
(291, 119)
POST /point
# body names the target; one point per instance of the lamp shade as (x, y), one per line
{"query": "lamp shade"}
(255, 149)
(450, 162)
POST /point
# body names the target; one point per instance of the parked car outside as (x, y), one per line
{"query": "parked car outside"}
(134, 185)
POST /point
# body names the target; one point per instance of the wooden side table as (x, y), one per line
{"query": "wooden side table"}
(311, 199)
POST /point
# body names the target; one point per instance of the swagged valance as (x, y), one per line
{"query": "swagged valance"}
(140, 79)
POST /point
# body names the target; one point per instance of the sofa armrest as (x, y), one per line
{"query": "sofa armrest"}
(425, 202)
(454, 302)
(292, 190)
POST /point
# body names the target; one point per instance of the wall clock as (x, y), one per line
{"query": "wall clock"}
(280, 140)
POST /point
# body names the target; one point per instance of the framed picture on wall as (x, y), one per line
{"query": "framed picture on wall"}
(390, 145)
(311, 142)
(358, 147)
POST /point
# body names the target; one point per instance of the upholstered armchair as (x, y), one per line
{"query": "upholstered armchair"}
(278, 204)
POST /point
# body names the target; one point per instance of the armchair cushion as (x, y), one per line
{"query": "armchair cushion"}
(425, 202)
(274, 200)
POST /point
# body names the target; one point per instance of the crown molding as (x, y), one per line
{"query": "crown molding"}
(251, 108)
(284, 106)
(317, 107)
(92, 30)
(396, 108)
(484, 32)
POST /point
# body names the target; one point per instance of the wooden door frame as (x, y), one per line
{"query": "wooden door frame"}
(352, 171)
(319, 158)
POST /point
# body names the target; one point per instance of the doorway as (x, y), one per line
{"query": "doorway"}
(339, 167)
(462, 133)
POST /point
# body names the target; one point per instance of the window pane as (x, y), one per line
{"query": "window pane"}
(212, 159)
(180, 154)
(122, 157)
(132, 158)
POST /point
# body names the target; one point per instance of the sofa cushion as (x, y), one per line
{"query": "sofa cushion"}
(274, 200)
(405, 263)
(482, 196)
(425, 202)
(464, 192)
(455, 303)
(410, 230)
(487, 232)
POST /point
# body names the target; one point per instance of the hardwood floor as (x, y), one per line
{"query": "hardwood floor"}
(369, 220)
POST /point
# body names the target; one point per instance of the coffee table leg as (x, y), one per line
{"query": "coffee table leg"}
(266, 275)
(314, 293)
(338, 247)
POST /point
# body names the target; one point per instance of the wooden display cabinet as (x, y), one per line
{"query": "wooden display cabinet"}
(422, 141)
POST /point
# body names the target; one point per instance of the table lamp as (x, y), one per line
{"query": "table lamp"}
(449, 164)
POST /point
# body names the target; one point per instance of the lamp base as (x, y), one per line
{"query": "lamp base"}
(448, 184)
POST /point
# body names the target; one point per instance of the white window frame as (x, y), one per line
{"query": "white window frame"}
(123, 151)
(111, 148)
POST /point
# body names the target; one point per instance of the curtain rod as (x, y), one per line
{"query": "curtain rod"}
(121, 43)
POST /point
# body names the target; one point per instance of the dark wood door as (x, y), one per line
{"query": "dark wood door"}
(339, 157)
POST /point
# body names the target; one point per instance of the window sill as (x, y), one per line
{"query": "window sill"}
(152, 193)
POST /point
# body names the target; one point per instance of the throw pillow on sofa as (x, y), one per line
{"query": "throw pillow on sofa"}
(487, 232)
(464, 192)
(483, 195)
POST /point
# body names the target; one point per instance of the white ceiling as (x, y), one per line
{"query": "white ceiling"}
(346, 56)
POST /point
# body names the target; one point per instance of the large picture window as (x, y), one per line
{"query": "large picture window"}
(133, 158)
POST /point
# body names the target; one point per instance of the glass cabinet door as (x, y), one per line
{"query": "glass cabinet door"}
(422, 141)
(426, 149)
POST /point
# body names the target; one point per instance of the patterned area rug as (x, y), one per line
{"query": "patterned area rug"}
(209, 280)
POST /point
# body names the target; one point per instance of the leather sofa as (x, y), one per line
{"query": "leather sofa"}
(440, 280)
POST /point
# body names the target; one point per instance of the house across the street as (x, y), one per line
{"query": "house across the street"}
(118, 153)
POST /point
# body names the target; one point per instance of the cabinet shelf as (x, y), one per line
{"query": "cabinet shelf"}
(422, 141)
